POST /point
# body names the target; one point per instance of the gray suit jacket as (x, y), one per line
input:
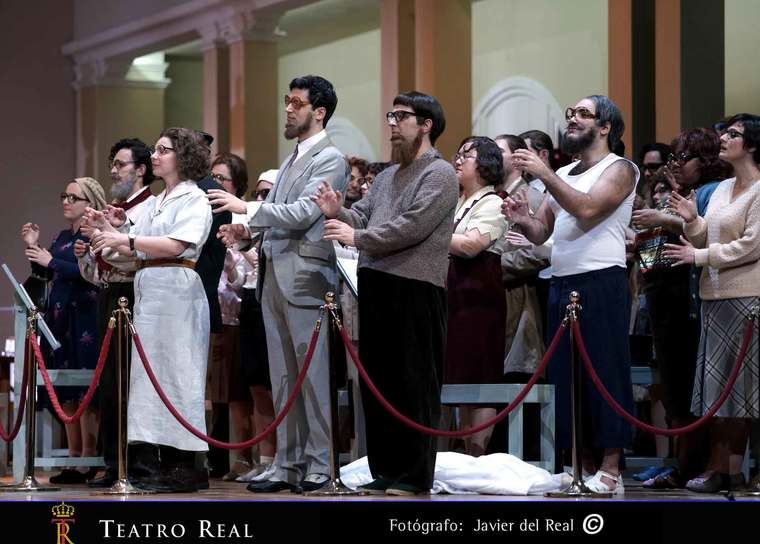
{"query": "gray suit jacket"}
(303, 263)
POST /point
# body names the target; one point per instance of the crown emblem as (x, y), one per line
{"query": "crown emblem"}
(62, 511)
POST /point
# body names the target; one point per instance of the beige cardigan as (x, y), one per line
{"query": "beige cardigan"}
(727, 242)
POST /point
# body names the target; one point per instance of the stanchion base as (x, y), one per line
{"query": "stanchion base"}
(28, 484)
(577, 490)
(123, 487)
(333, 489)
(748, 493)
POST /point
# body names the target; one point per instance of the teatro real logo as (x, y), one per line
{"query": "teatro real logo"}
(63, 515)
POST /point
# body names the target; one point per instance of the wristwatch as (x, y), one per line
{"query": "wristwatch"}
(132, 241)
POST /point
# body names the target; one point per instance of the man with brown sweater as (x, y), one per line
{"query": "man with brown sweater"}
(402, 229)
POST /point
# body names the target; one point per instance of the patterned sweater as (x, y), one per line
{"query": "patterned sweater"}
(728, 243)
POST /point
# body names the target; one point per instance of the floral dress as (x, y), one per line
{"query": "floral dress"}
(71, 314)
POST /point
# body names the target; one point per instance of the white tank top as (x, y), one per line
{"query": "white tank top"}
(576, 250)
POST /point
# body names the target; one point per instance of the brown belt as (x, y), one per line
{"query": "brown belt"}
(152, 263)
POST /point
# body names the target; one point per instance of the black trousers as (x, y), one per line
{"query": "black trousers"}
(402, 343)
(107, 390)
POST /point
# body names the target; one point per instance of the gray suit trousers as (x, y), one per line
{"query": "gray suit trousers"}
(303, 437)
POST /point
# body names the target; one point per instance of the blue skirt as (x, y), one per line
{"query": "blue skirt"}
(604, 320)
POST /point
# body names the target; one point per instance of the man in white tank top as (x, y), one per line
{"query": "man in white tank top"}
(587, 210)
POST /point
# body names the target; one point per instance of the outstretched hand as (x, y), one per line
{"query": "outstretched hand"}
(222, 201)
(684, 206)
(328, 200)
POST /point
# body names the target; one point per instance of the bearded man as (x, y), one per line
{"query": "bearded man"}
(588, 209)
(402, 229)
(131, 174)
(296, 268)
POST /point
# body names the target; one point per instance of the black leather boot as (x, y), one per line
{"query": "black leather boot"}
(177, 475)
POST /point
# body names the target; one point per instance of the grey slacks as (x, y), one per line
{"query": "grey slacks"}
(303, 437)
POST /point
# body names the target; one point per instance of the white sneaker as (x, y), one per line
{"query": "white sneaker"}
(596, 484)
(259, 473)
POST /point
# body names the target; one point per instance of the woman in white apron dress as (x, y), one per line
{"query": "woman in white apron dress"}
(171, 316)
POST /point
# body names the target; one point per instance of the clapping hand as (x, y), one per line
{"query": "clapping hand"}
(231, 234)
(517, 239)
(528, 161)
(515, 209)
(221, 201)
(685, 207)
(340, 231)
(116, 216)
(30, 234)
(110, 238)
(679, 254)
(647, 218)
(38, 255)
(80, 248)
(328, 200)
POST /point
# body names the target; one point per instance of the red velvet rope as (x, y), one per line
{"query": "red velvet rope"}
(85, 402)
(21, 405)
(576, 331)
(213, 441)
(465, 432)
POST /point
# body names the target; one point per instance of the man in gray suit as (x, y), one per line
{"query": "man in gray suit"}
(296, 268)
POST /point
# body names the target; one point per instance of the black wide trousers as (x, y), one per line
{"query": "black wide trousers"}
(402, 341)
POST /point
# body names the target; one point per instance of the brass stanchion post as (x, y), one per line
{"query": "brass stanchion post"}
(29, 483)
(120, 319)
(577, 488)
(753, 489)
(334, 486)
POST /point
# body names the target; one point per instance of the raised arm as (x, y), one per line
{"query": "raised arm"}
(613, 187)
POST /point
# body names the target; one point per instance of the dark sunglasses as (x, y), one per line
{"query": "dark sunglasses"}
(262, 193)
(681, 158)
(651, 166)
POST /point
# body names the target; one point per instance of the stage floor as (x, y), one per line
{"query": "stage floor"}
(234, 491)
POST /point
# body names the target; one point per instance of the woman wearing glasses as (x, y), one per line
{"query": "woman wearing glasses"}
(726, 244)
(694, 167)
(477, 308)
(71, 314)
(171, 313)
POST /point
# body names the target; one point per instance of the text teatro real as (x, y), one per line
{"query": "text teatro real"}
(205, 529)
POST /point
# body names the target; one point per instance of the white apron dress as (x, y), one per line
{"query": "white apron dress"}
(172, 318)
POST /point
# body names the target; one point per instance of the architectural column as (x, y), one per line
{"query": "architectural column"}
(216, 90)
(255, 102)
(690, 67)
(443, 64)
(620, 64)
(396, 59)
(667, 78)
(116, 99)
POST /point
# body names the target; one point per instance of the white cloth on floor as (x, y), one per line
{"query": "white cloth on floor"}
(459, 474)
